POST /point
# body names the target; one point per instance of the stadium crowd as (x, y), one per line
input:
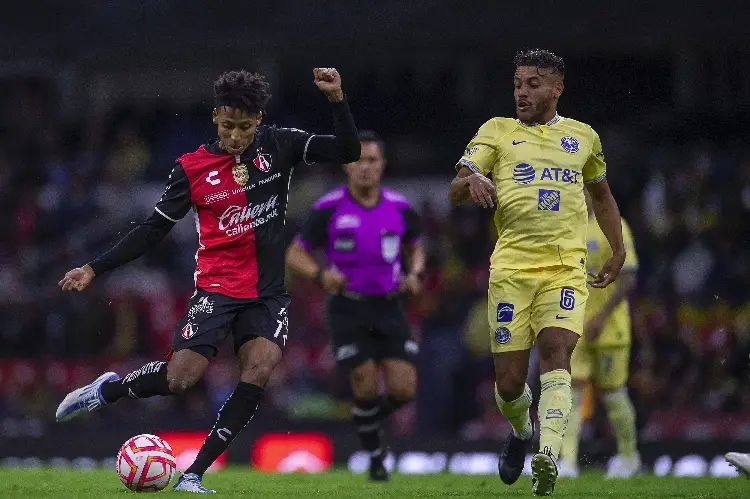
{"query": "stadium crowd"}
(68, 188)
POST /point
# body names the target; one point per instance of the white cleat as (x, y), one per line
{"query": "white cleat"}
(85, 399)
(623, 467)
(566, 469)
(190, 482)
(740, 461)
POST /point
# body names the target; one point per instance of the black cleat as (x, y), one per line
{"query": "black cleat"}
(378, 473)
(513, 457)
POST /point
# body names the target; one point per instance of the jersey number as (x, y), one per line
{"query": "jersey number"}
(567, 299)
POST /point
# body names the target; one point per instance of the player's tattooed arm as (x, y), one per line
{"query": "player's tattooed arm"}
(472, 186)
(608, 217)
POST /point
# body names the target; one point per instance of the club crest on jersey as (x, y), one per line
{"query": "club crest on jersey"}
(240, 174)
(570, 144)
(390, 245)
(261, 163)
(502, 335)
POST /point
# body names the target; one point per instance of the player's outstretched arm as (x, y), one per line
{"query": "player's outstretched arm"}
(472, 186)
(173, 205)
(608, 217)
(344, 146)
(137, 242)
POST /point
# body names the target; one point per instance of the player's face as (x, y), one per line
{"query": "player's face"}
(536, 93)
(366, 172)
(236, 128)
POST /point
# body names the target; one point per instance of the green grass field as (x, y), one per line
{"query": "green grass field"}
(101, 484)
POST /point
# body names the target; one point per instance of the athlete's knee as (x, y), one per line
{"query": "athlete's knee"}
(510, 382)
(364, 381)
(181, 381)
(401, 393)
(258, 359)
(555, 348)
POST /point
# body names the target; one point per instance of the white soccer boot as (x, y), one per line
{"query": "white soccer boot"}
(623, 467)
(85, 399)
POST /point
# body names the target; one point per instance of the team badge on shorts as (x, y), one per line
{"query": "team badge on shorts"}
(188, 331)
(570, 144)
(502, 335)
(240, 174)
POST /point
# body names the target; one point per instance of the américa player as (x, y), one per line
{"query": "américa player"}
(534, 169)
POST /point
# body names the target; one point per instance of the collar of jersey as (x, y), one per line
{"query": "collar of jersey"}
(551, 122)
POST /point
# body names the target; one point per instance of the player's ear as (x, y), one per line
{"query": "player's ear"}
(215, 116)
(559, 87)
(260, 117)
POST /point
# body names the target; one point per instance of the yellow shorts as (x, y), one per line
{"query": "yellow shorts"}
(606, 367)
(523, 302)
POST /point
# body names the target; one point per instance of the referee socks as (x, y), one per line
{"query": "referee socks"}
(367, 415)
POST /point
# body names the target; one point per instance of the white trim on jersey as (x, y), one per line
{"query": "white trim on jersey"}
(304, 153)
(597, 179)
(288, 185)
(156, 208)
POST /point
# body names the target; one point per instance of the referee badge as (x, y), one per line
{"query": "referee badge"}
(390, 246)
(240, 174)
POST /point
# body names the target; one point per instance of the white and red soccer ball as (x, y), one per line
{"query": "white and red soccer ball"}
(145, 463)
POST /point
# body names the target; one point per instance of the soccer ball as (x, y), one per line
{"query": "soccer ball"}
(145, 463)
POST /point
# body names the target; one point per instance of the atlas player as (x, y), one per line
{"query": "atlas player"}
(237, 187)
(602, 357)
(534, 170)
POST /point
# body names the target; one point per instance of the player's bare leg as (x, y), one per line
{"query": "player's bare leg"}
(513, 397)
(258, 358)
(555, 348)
(367, 413)
(175, 377)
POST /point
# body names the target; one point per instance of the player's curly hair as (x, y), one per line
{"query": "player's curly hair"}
(242, 90)
(540, 58)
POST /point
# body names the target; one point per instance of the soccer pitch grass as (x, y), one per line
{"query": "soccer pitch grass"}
(235, 482)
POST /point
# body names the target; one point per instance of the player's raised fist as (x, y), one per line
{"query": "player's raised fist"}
(77, 279)
(328, 81)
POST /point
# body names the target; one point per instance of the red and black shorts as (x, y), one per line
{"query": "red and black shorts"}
(211, 317)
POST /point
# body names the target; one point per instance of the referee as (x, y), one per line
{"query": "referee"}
(364, 229)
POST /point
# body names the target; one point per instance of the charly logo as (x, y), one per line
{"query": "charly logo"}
(234, 217)
(240, 174)
(523, 173)
(570, 144)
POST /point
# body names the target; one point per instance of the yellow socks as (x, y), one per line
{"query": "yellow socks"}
(517, 413)
(572, 435)
(554, 408)
(621, 416)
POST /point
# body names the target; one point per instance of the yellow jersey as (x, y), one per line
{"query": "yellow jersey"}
(617, 327)
(539, 172)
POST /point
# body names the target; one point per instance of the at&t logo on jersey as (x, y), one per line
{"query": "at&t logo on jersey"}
(560, 175)
(523, 173)
(549, 200)
(570, 144)
(233, 218)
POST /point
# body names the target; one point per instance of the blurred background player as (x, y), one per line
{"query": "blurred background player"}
(534, 169)
(363, 229)
(238, 187)
(602, 357)
(740, 461)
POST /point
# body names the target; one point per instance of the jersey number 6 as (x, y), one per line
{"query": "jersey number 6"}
(567, 299)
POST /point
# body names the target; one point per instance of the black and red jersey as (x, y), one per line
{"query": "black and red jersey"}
(239, 205)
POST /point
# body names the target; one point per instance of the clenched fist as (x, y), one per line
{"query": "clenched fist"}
(77, 279)
(328, 81)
